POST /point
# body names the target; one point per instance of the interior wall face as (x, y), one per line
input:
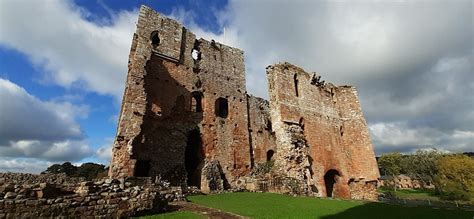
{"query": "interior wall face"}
(261, 131)
(333, 125)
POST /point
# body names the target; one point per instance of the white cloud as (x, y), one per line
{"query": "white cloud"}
(104, 152)
(74, 52)
(23, 165)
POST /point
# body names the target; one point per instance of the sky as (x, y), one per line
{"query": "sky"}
(63, 65)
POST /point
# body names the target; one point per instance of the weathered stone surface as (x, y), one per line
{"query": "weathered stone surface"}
(186, 118)
(322, 136)
(101, 199)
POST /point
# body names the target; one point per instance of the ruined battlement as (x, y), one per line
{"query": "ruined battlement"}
(186, 118)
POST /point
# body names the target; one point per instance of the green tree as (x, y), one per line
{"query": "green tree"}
(90, 170)
(86, 170)
(455, 178)
(391, 163)
(66, 168)
(391, 167)
(423, 165)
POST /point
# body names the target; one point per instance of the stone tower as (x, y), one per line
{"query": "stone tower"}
(186, 117)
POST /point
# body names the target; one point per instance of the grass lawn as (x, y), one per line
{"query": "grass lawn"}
(176, 215)
(267, 205)
(416, 194)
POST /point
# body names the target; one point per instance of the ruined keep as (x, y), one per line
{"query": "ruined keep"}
(186, 118)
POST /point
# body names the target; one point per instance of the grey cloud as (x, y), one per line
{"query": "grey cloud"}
(24, 117)
(47, 150)
(32, 128)
(411, 61)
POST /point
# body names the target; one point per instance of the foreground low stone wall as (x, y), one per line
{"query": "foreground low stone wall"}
(36, 197)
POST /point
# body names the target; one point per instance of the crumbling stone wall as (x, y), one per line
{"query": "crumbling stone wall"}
(109, 198)
(262, 136)
(28, 178)
(320, 130)
(174, 102)
(186, 117)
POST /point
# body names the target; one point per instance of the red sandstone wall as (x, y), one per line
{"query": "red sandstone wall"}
(322, 111)
(157, 116)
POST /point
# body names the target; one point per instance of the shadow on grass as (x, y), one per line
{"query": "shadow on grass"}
(388, 211)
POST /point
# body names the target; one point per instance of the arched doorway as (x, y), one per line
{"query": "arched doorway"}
(330, 178)
(193, 158)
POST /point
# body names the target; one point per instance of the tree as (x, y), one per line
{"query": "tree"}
(391, 163)
(86, 170)
(391, 166)
(90, 170)
(423, 165)
(66, 168)
(455, 178)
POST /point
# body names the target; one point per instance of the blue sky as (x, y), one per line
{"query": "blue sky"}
(63, 66)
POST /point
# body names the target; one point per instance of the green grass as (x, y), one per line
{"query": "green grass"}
(267, 205)
(414, 194)
(175, 215)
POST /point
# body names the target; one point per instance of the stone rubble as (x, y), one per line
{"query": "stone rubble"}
(37, 197)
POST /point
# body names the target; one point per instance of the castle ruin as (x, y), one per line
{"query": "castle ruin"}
(186, 118)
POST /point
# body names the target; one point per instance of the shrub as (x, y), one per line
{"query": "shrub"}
(455, 178)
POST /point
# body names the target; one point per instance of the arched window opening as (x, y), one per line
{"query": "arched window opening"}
(295, 81)
(155, 39)
(330, 178)
(222, 107)
(196, 102)
(270, 155)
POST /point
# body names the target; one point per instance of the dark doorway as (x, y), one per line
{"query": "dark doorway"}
(142, 167)
(270, 155)
(329, 181)
(193, 158)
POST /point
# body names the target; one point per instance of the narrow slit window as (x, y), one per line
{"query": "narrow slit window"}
(295, 81)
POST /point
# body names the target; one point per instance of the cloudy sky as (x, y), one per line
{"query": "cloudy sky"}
(63, 66)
